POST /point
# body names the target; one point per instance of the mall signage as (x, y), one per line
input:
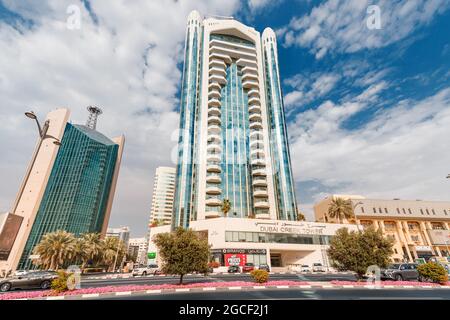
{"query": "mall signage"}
(291, 229)
(235, 259)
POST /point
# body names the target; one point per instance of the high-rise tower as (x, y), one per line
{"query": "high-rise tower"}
(233, 140)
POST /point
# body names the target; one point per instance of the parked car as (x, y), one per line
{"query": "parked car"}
(318, 267)
(234, 269)
(29, 280)
(400, 271)
(305, 268)
(264, 267)
(248, 267)
(146, 270)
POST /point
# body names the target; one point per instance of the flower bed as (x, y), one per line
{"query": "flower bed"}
(111, 289)
(385, 283)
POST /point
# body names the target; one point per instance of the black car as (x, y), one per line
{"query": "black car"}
(264, 267)
(30, 280)
(400, 271)
(234, 269)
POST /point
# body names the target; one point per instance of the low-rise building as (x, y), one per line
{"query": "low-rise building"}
(419, 229)
(283, 245)
(122, 233)
(139, 246)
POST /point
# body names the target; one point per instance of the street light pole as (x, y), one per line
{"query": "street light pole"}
(354, 207)
(42, 135)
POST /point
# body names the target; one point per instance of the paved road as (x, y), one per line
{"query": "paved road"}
(299, 294)
(85, 283)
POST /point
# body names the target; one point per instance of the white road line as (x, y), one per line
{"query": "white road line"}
(153, 291)
(182, 290)
(305, 287)
(283, 287)
(56, 298)
(348, 286)
(125, 293)
(234, 288)
(90, 295)
(259, 287)
(209, 289)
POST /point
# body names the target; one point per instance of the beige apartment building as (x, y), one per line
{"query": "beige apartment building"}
(420, 229)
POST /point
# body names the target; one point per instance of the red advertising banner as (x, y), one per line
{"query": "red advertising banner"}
(235, 259)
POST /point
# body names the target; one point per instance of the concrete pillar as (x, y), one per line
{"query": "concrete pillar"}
(403, 240)
(423, 229)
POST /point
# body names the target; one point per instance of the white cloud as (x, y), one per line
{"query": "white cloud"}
(127, 64)
(341, 25)
(402, 152)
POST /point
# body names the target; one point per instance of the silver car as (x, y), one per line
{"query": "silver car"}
(29, 280)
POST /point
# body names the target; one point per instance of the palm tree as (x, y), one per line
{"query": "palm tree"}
(55, 249)
(340, 209)
(80, 251)
(300, 216)
(225, 207)
(94, 246)
(113, 250)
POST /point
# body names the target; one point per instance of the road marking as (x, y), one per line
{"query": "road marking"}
(56, 298)
(259, 287)
(305, 287)
(347, 286)
(283, 287)
(90, 295)
(409, 287)
(209, 289)
(125, 293)
(234, 288)
(388, 286)
(327, 286)
(153, 291)
(182, 290)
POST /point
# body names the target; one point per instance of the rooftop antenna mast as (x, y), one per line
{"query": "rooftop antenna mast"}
(94, 112)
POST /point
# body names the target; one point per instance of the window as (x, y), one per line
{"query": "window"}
(432, 210)
(385, 210)
(409, 210)
(362, 209)
(398, 210)
(374, 210)
(445, 212)
(428, 212)
(421, 211)
(404, 210)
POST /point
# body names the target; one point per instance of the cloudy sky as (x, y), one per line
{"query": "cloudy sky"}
(368, 109)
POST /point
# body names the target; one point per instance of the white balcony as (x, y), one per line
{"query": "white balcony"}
(214, 111)
(256, 134)
(214, 120)
(255, 117)
(213, 157)
(213, 190)
(218, 78)
(213, 178)
(212, 214)
(253, 93)
(250, 77)
(260, 194)
(248, 69)
(254, 101)
(214, 102)
(262, 216)
(232, 52)
(261, 204)
(213, 202)
(256, 143)
(237, 46)
(219, 56)
(217, 63)
(247, 63)
(256, 125)
(213, 168)
(259, 182)
(257, 153)
(259, 172)
(250, 84)
(214, 129)
(218, 71)
(214, 147)
(214, 85)
(258, 161)
(214, 94)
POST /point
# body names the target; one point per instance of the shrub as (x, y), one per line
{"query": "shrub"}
(260, 276)
(433, 272)
(213, 264)
(60, 284)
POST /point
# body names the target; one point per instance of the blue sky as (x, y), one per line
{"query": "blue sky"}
(368, 110)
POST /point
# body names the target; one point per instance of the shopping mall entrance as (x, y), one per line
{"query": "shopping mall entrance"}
(275, 260)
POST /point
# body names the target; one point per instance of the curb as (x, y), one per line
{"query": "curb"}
(178, 290)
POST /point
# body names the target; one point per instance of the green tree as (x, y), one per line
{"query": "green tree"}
(300, 216)
(340, 209)
(182, 251)
(432, 271)
(225, 207)
(355, 251)
(55, 249)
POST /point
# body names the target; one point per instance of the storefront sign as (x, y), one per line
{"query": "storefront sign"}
(151, 255)
(235, 259)
(423, 248)
(245, 251)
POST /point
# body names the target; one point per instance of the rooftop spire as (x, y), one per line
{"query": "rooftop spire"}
(94, 112)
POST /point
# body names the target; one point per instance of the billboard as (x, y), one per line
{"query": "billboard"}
(440, 237)
(235, 259)
(8, 234)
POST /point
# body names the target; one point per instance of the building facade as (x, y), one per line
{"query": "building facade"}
(419, 229)
(281, 244)
(233, 141)
(70, 186)
(139, 247)
(121, 233)
(163, 193)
